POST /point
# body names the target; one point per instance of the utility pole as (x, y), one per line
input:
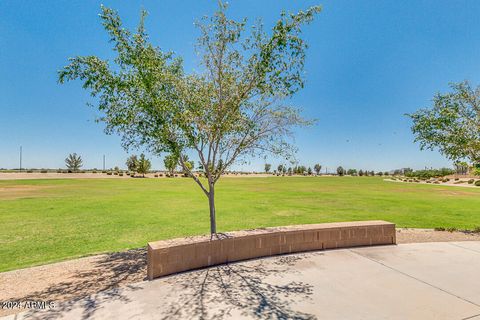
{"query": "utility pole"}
(103, 162)
(20, 158)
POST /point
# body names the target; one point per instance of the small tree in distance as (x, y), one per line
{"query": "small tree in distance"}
(340, 171)
(132, 163)
(170, 162)
(234, 109)
(317, 168)
(74, 162)
(143, 165)
(268, 166)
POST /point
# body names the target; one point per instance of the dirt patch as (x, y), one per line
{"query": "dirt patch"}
(15, 192)
(79, 278)
(405, 235)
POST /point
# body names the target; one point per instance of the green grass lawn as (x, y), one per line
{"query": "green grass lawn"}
(49, 220)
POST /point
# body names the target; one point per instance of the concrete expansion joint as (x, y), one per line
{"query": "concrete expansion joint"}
(461, 247)
(415, 278)
(477, 316)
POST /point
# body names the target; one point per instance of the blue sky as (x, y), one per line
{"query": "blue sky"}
(368, 64)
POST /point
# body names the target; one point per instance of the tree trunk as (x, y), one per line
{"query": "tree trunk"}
(211, 203)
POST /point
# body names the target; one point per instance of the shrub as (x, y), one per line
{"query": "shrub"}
(456, 179)
(115, 173)
(471, 181)
(477, 183)
(121, 174)
(156, 176)
(476, 229)
(103, 171)
(94, 171)
(109, 173)
(29, 171)
(439, 229)
(160, 174)
(43, 171)
(476, 171)
(451, 229)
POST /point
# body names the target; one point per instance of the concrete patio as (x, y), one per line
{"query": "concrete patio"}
(407, 281)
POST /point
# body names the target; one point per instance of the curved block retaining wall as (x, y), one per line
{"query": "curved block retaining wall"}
(176, 255)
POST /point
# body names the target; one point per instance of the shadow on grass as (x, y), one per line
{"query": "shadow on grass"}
(258, 289)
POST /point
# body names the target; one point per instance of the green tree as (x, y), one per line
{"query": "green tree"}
(317, 168)
(132, 163)
(232, 110)
(268, 166)
(352, 172)
(171, 162)
(452, 125)
(340, 171)
(143, 165)
(74, 162)
(189, 165)
(309, 171)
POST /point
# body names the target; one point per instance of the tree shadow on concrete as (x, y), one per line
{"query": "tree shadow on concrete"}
(240, 288)
(94, 285)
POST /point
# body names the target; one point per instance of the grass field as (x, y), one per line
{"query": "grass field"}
(43, 221)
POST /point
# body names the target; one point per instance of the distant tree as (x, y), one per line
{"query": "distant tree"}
(452, 124)
(340, 171)
(380, 173)
(386, 173)
(317, 168)
(289, 171)
(188, 165)
(461, 167)
(309, 171)
(74, 162)
(268, 166)
(132, 163)
(171, 162)
(360, 172)
(144, 165)
(352, 172)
